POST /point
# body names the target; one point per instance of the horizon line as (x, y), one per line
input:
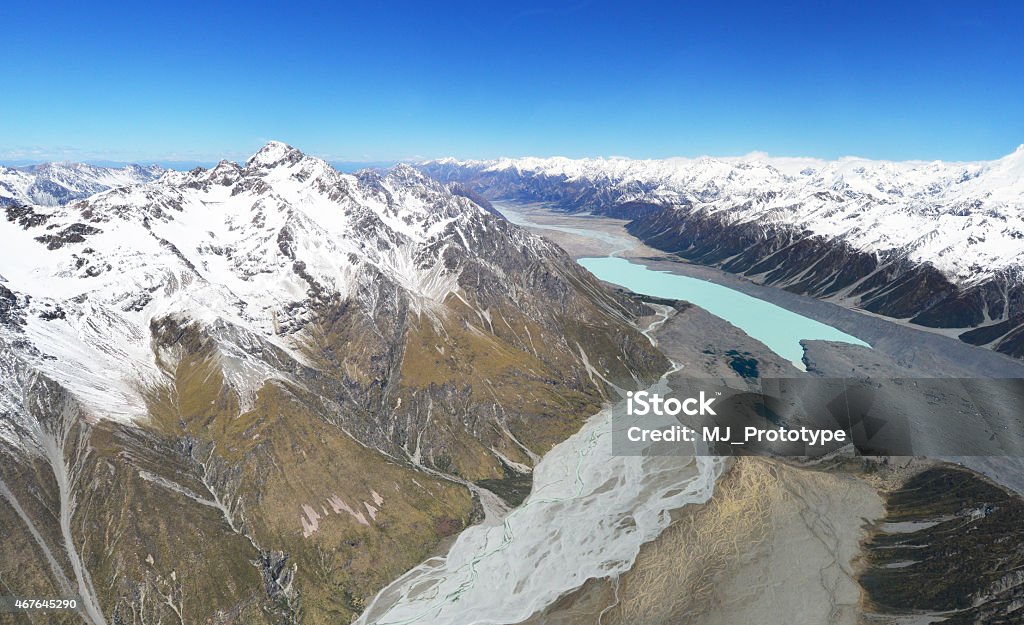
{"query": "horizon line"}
(9, 160)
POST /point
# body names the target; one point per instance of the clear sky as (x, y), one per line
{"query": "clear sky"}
(369, 80)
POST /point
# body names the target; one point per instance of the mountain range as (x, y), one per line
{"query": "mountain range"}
(934, 244)
(53, 184)
(259, 392)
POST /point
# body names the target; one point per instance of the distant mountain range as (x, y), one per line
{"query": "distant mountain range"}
(934, 244)
(53, 184)
(260, 392)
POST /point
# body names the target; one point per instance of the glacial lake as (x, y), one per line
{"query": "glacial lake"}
(780, 329)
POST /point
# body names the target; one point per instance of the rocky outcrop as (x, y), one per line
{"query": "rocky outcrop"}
(949, 546)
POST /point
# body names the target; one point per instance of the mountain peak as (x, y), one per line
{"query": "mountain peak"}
(273, 153)
(407, 173)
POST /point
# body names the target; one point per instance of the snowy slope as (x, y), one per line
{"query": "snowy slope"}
(966, 219)
(241, 249)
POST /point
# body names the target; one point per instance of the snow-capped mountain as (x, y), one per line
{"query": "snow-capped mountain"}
(53, 184)
(278, 363)
(939, 244)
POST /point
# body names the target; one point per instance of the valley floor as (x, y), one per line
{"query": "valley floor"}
(781, 542)
(776, 545)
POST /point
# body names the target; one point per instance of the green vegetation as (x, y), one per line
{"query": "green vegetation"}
(959, 548)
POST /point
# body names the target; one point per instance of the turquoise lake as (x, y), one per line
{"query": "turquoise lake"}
(780, 329)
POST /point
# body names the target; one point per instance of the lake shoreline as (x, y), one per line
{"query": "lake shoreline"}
(780, 329)
(920, 352)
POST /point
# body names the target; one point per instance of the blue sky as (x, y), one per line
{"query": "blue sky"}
(374, 81)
